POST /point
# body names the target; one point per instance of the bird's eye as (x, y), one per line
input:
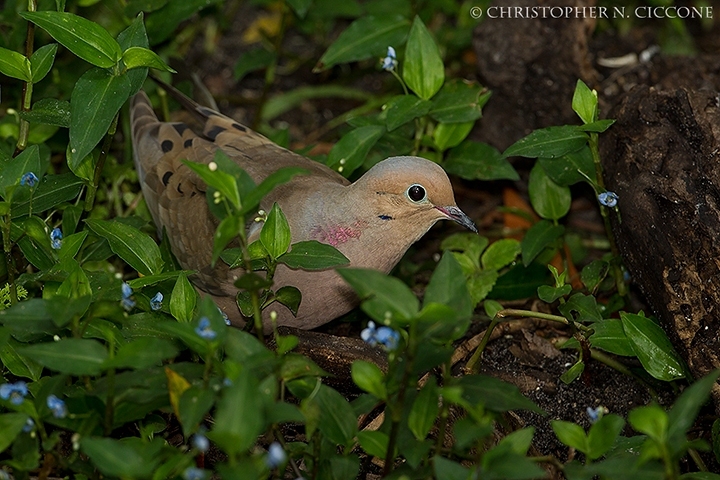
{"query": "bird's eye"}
(416, 193)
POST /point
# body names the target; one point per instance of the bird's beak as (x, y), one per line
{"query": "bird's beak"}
(457, 215)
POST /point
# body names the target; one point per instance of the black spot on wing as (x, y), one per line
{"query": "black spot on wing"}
(166, 178)
(384, 217)
(237, 126)
(214, 132)
(188, 143)
(166, 145)
(180, 127)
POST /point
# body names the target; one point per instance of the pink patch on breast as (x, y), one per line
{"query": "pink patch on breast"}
(335, 235)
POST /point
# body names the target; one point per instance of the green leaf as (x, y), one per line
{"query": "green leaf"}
(313, 255)
(71, 245)
(252, 60)
(15, 65)
(163, 22)
(571, 435)
(500, 254)
(597, 127)
(447, 135)
(130, 244)
(573, 372)
(650, 420)
(42, 61)
(75, 356)
(350, 152)
(549, 294)
(570, 168)
(423, 69)
(381, 293)
(11, 424)
(550, 200)
(403, 109)
(373, 442)
(227, 231)
(445, 469)
(195, 403)
(84, 38)
(290, 297)
(685, 410)
(584, 305)
(49, 111)
(610, 336)
(295, 366)
(142, 352)
(337, 419)
(223, 182)
(652, 347)
(135, 57)
(135, 36)
(50, 192)
(369, 377)
(459, 102)
(593, 273)
(424, 410)
(14, 169)
(18, 364)
(585, 102)
(116, 458)
(275, 233)
(479, 161)
(539, 236)
(447, 287)
(603, 434)
(494, 394)
(239, 417)
(548, 142)
(96, 99)
(366, 37)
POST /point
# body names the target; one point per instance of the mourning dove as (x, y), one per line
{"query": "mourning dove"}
(372, 221)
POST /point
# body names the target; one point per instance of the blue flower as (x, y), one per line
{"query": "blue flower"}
(276, 455)
(127, 302)
(390, 60)
(15, 392)
(126, 290)
(595, 414)
(192, 473)
(156, 301)
(609, 199)
(203, 329)
(385, 336)
(29, 179)
(57, 406)
(200, 442)
(56, 238)
(29, 425)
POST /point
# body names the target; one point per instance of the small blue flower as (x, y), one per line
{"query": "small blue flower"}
(385, 336)
(276, 455)
(56, 238)
(127, 302)
(390, 60)
(156, 301)
(368, 334)
(595, 414)
(609, 199)
(192, 473)
(29, 179)
(126, 290)
(15, 392)
(227, 382)
(200, 442)
(29, 425)
(203, 329)
(57, 406)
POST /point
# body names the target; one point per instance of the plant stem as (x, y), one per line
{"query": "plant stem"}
(92, 189)
(9, 263)
(24, 127)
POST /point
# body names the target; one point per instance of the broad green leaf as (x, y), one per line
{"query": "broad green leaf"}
(683, 413)
(370, 378)
(423, 69)
(447, 287)
(539, 236)
(610, 336)
(459, 102)
(222, 181)
(295, 366)
(403, 109)
(597, 127)
(603, 434)
(652, 347)
(571, 434)
(15, 65)
(479, 161)
(585, 102)
(84, 38)
(252, 60)
(593, 273)
(71, 244)
(570, 168)
(162, 22)
(300, 7)
(74, 356)
(519, 441)
(11, 424)
(136, 57)
(445, 469)
(227, 231)
(183, 299)
(572, 373)
(50, 192)
(116, 458)
(96, 99)
(373, 442)
(424, 410)
(337, 419)
(549, 294)
(366, 37)
(135, 36)
(313, 255)
(18, 364)
(14, 169)
(195, 403)
(448, 135)
(275, 233)
(350, 152)
(239, 417)
(49, 111)
(130, 244)
(290, 297)
(42, 61)
(550, 200)
(494, 394)
(142, 352)
(500, 254)
(502, 462)
(651, 420)
(384, 293)
(550, 142)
